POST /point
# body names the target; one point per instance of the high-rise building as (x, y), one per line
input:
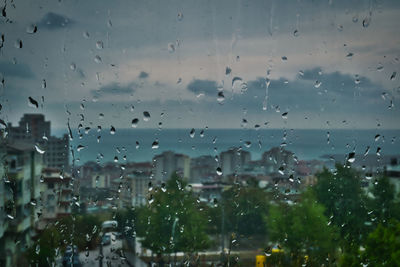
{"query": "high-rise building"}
(203, 169)
(30, 127)
(278, 160)
(34, 129)
(57, 152)
(168, 162)
(135, 189)
(233, 160)
(56, 196)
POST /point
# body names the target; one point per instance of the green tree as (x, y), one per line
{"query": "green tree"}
(303, 230)
(126, 221)
(344, 201)
(382, 247)
(80, 230)
(44, 250)
(245, 208)
(383, 205)
(173, 220)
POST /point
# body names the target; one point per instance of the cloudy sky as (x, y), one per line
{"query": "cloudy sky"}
(216, 63)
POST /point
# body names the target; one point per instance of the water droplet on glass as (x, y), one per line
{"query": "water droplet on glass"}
(366, 22)
(192, 133)
(97, 59)
(39, 149)
(18, 44)
(112, 130)
(155, 144)
(349, 55)
(317, 84)
(243, 87)
(284, 58)
(171, 47)
(366, 151)
(220, 97)
(219, 171)
(135, 122)
(378, 151)
(80, 147)
(380, 67)
(99, 45)
(247, 144)
(351, 157)
(44, 84)
(202, 133)
(86, 34)
(146, 116)
(236, 80)
(163, 187)
(377, 137)
(31, 29)
(180, 16)
(355, 19)
(296, 33)
(33, 103)
(72, 66)
(393, 76)
(284, 115)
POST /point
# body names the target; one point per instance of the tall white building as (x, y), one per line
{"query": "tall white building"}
(233, 160)
(135, 189)
(168, 162)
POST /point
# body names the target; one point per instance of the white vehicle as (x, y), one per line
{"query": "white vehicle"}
(109, 226)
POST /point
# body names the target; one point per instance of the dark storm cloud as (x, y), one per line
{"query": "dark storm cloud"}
(115, 88)
(338, 92)
(143, 75)
(16, 70)
(54, 21)
(206, 87)
(339, 83)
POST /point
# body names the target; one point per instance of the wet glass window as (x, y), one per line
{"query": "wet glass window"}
(199, 133)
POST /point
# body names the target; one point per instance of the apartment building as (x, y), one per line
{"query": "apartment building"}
(21, 168)
(34, 129)
(56, 196)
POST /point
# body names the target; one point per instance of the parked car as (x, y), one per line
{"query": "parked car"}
(71, 257)
(106, 239)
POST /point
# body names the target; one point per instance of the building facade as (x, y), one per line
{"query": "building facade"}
(165, 164)
(56, 196)
(34, 129)
(21, 168)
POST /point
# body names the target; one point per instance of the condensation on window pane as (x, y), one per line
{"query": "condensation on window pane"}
(199, 133)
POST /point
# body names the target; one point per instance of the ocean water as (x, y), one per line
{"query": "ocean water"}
(306, 144)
